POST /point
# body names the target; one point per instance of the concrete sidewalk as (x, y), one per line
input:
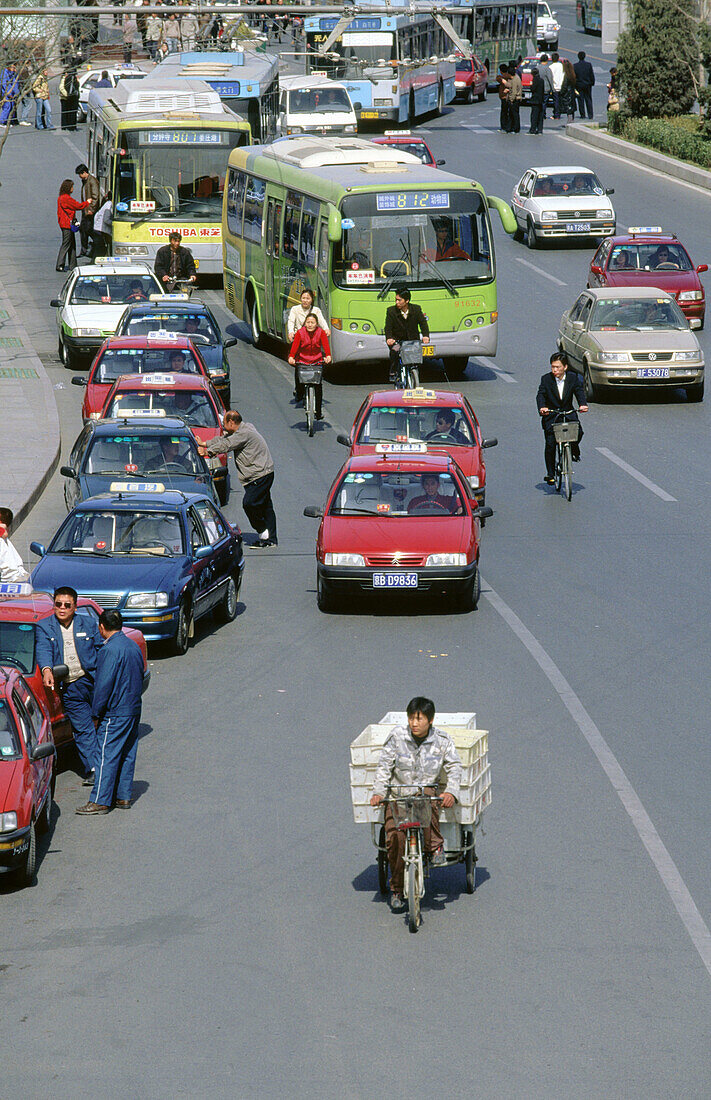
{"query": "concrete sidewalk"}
(592, 134)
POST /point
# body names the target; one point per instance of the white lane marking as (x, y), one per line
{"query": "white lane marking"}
(502, 374)
(540, 271)
(661, 493)
(504, 172)
(71, 145)
(666, 868)
(477, 128)
(640, 167)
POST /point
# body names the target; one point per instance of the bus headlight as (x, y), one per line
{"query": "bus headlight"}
(130, 250)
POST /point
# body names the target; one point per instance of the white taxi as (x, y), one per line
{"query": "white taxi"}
(562, 201)
(89, 77)
(92, 302)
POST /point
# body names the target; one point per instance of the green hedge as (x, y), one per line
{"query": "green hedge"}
(670, 136)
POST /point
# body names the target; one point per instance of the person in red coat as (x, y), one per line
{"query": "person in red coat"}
(66, 209)
(310, 346)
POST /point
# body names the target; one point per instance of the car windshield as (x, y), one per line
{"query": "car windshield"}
(17, 645)
(649, 257)
(117, 361)
(442, 425)
(194, 407)
(310, 101)
(415, 148)
(397, 495)
(464, 65)
(637, 313)
(568, 185)
(9, 739)
(106, 290)
(143, 455)
(194, 325)
(120, 532)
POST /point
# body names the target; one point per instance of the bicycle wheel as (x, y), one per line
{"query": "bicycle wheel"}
(413, 897)
(382, 862)
(558, 467)
(469, 859)
(567, 472)
(413, 377)
(310, 403)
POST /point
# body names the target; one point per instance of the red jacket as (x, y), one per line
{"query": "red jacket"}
(66, 208)
(310, 347)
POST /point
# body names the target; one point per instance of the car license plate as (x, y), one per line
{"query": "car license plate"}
(394, 580)
(368, 114)
(577, 227)
(428, 349)
(652, 372)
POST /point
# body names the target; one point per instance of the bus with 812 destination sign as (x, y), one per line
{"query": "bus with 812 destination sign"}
(351, 221)
(161, 149)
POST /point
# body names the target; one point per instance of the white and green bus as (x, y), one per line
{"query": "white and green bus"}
(352, 220)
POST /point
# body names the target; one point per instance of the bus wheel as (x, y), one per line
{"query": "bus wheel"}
(411, 108)
(257, 334)
(440, 100)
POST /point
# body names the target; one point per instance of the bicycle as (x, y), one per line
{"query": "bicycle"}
(412, 814)
(566, 433)
(409, 361)
(310, 376)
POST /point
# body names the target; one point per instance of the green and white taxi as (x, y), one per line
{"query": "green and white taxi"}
(92, 301)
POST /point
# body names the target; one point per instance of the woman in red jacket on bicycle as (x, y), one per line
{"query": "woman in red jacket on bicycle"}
(310, 346)
(66, 209)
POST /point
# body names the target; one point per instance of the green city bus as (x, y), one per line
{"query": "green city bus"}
(352, 220)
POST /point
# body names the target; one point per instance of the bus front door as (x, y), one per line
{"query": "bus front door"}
(272, 266)
(322, 269)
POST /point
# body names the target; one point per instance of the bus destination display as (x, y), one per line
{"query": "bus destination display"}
(413, 200)
(183, 137)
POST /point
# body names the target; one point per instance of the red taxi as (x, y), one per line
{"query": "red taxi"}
(19, 615)
(409, 143)
(444, 421)
(156, 353)
(399, 520)
(471, 79)
(527, 67)
(649, 257)
(27, 768)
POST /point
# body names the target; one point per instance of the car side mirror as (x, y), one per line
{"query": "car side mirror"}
(595, 269)
(60, 672)
(484, 513)
(577, 326)
(68, 471)
(202, 552)
(357, 106)
(702, 267)
(229, 342)
(38, 549)
(440, 162)
(41, 752)
(609, 190)
(312, 512)
(55, 303)
(77, 380)
(343, 440)
(493, 442)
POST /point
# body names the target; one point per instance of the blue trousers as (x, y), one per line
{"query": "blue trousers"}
(77, 705)
(117, 737)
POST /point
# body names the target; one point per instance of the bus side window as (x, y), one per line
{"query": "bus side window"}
(307, 250)
(292, 218)
(254, 209)
(235, 201)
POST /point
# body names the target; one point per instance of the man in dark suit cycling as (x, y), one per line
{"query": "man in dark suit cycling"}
(556, 391)
(403, 321)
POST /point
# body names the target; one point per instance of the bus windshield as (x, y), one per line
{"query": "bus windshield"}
(173, 173)
(424, 238)
(310, 101)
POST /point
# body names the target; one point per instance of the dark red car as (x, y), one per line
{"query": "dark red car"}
(27, 771)
(648, 257)
(471, 79)
(407, 142)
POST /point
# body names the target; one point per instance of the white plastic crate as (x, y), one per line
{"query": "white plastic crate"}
(364, 774)
(465, 718)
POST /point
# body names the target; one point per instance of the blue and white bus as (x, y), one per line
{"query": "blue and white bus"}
(386, 63)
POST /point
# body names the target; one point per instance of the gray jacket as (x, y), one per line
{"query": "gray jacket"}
(547, 78)
(405, 762)
(251, 454)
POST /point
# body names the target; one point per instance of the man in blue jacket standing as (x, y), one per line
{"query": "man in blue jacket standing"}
(116, 708)
(71, 637)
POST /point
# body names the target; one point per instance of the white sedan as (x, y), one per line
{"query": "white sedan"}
(88, 78)
(92, 301)
(562, 201)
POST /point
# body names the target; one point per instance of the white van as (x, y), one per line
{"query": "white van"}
(314, 105)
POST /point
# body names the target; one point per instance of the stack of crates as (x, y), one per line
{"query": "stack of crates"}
(472, 746)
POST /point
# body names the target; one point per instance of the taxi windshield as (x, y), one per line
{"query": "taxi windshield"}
(415, 148)
(17, 646)
(105, 290)
(195, 325)
(649, 257)
(9, 740)
(397, 495)
(117, 361)
(194, 408)
(637, 313)
(441, 425)
(568, 185)
(143, 455)
(121, 532)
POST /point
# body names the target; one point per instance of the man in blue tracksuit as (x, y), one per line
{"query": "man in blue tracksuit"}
(116, 708)
(71, 637)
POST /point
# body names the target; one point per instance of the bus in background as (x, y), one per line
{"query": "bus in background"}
(315, 105)
(588, 16)
(162, 153)
(246, 82)
(496, 30)
(351, 220)
(395, 67)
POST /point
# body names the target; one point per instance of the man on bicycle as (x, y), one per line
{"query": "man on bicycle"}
(174, 263)
(556, 392)
(414, 756)
(403, 321)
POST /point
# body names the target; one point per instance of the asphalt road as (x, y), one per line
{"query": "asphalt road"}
(226, 937)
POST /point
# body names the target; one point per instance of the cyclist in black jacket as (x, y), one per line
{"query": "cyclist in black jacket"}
(173, 263)
(403, 321)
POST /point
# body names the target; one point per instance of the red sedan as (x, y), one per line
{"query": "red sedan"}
(27, 768)
(444, 421)
(471, 79)
(649, 257)
(400, 521)
(159, 353)
(409, 143)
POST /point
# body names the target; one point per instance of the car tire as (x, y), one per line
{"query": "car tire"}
(592, 391)
(227, 608)
(482, 95)
(531, 238)
(44, 820)
(554, 45)
(469, 598)
(695, 392)
(25, 874)
(518, 233)
(222, 488)
(470, 95)
(324, 596)
(181, 641)
(257, 334)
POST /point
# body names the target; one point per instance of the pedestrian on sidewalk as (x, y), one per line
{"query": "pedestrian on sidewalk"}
(584, 83)
(189, 30)
(9, 92)
(255, 469)
(43, 106)
(556, 71)
(66, 209)
(544, 71)
(154, 26)
(69, 98)
(91, 195)
(514, 98)
(141, 24)
(502, 79)
(128, 34)
(538, 92)
(116, 709)
(567, 92)
(171, 33)
(11, 568)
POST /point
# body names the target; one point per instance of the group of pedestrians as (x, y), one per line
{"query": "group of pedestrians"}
(94, 226)
(568, 87)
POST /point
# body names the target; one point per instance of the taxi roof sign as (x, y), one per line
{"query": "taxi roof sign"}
(397, 133)
(15, 588)
(164, 333)
(633, 229)
(419, 394)
(400, 448)
(158, 379)
(137, 487)
(101, 260)
(134, 414)
(168, 297)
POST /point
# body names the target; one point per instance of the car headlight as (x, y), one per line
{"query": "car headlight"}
(474, 481)
(8, 822)
(614, 357)
(549, 215)
(147, 599)
(446, 559)
(351, 129)
(686, 356)
(344, 559)
(460, 84)
(603, 213)
(87, 332)
(690, 296)
(294, 129)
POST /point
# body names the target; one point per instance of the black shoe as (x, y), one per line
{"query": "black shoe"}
(89, 779)
(260, 544)
(575, 458)
(60, 269)
(319, 416)
(549, 480)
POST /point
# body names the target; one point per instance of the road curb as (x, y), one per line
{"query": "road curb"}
(29, 420)
(626, 150)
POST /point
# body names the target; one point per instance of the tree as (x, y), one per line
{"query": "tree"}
(658, 58)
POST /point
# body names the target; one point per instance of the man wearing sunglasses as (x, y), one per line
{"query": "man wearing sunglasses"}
(71, 637)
